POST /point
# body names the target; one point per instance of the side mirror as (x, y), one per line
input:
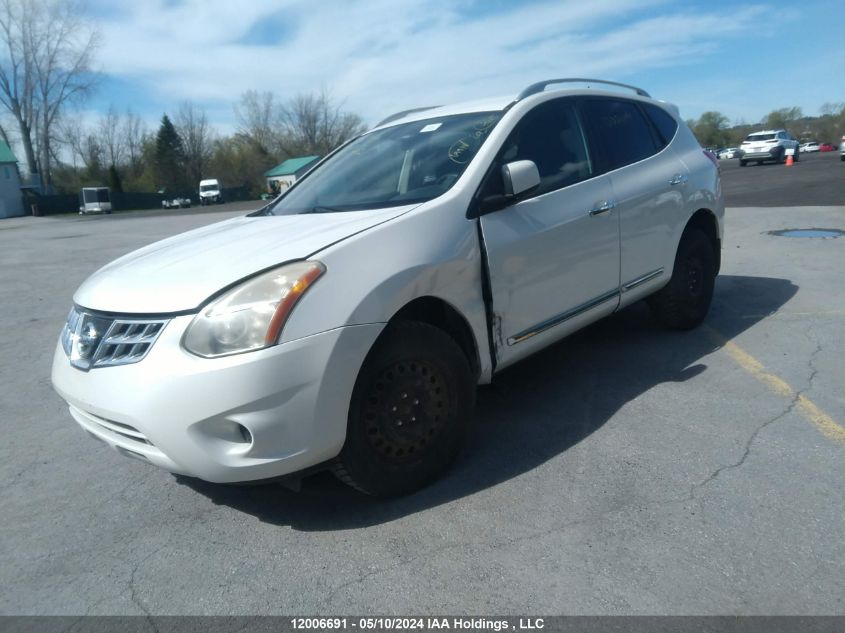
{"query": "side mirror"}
(520, 176)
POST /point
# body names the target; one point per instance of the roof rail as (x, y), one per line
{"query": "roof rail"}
(399, 115)
(540, 86)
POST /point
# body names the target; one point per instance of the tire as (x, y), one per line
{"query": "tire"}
(842, 157)
(418, 372)
(684, 302)
(797, 155)
(759, 162)
(742, 163)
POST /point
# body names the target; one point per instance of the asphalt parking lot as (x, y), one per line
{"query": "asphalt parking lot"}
(816, 179)
(626, 470)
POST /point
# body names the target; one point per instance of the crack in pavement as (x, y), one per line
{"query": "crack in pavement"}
(746, 452)
(796, 398)
(133, 591)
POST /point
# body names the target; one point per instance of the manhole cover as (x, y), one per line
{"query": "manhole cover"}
(808, 232)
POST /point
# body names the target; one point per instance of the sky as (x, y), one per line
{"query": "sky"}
(377, 57)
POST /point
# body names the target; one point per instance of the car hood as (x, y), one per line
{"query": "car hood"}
(180, 273)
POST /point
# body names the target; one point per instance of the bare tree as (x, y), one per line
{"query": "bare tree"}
(4, 136)
(197, 138)
(84, 144)
(134, 134)
(832, 109)
(44, 64)
(307, 124)
(109, 129)
(256, 114)
(314, 124)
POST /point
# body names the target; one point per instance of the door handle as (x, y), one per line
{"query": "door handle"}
(679, 179)
(603, 207)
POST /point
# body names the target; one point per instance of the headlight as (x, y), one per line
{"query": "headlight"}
(251, 315)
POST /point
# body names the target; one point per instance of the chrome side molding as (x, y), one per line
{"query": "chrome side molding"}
(641, 280)
(564, 316)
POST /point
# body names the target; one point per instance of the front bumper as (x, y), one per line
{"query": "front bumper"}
(183, 413)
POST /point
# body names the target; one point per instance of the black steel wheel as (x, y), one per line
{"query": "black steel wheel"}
(410, 410)
(683, 303)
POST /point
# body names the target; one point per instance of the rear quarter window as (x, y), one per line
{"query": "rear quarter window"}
(619, 131)
(663, 122)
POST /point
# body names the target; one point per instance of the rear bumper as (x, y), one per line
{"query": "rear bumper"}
(771, 154)
(186, 414)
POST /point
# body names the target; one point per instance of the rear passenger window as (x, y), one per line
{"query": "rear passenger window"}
(620, 131)
(665, 125)
(551, 136)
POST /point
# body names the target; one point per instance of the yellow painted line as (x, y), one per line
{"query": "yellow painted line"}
(822, 421)
(818, 418)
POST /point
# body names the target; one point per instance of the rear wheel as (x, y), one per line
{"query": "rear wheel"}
(742, 163)
(410, 411)
(684, 302)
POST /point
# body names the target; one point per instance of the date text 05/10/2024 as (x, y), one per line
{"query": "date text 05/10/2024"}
(417, 624)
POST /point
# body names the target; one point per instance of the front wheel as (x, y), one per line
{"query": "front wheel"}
(410, 411)
(684, 302)
(742, 163)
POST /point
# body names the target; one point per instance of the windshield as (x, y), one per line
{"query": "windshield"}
(403, 164)
(759, 137)
(208, 188)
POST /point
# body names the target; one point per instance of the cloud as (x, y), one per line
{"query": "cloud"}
(381, 56)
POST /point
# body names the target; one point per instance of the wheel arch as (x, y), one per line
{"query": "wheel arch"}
(705, 220)
(444, 316)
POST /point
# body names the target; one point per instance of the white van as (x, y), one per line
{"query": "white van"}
(210, 191)
(95, 200)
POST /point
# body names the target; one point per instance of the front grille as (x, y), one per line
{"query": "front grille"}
(91, 340)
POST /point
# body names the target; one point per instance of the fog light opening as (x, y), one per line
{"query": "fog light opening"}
(246, 436)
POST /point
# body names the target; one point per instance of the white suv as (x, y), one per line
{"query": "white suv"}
(347, 324)
(768, 145)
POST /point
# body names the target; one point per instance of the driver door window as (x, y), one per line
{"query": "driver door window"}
(551, 137)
